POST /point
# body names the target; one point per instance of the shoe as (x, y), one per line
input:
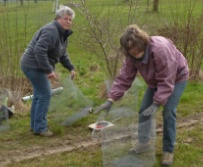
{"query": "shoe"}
(140, 148)
(46, 133)
(167, 159)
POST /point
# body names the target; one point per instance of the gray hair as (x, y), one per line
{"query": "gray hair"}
(65, 10)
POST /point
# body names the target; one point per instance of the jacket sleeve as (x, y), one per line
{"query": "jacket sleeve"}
(124, 81)
(166, 70)
(46, 41)
(65, 61)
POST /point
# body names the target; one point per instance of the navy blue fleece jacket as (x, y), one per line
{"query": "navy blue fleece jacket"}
(47, 47)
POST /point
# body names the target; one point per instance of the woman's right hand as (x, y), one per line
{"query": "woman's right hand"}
(105, 106)
(52, 75)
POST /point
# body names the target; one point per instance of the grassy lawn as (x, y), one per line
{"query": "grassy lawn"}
(21, 24)
(188, 147)
(188, 153)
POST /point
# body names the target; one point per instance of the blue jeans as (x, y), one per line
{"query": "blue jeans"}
(169, 117)
(41, 98)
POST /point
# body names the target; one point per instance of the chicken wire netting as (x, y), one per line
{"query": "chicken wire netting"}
(130, 142)
(4, 117)
(123, 147)
(70, 105)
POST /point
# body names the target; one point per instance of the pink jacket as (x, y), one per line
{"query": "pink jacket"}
(163, 65)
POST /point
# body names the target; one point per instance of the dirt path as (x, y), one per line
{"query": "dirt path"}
(20, 155)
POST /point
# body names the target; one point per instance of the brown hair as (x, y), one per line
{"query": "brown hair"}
(133, 36)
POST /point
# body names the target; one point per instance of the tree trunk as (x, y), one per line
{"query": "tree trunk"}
(155, 5)
(21, 2)
(147, 9)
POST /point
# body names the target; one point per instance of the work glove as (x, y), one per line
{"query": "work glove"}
(105, 106)
(151, 109)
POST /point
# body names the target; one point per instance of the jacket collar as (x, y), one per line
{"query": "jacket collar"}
(62, 32)
(67, 33)
(146, 55)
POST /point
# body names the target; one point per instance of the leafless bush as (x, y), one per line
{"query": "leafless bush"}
(98, 39)
(101, 29)
(186, 32)
(12, 43)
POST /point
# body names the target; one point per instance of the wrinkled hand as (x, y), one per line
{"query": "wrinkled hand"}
(72, 74)
(105, 106)
(151, 109)
(52, 75)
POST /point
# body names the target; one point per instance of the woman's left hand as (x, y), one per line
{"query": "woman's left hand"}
(151, 109)
(72, 74)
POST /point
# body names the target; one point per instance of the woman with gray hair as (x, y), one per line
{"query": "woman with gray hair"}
(165, 70)
(47, 47)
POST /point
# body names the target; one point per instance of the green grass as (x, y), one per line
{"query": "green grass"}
(90, 82)
(189, 102)
(19, 137)
(186, 154)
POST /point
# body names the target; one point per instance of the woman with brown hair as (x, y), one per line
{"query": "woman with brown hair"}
(165, 71)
